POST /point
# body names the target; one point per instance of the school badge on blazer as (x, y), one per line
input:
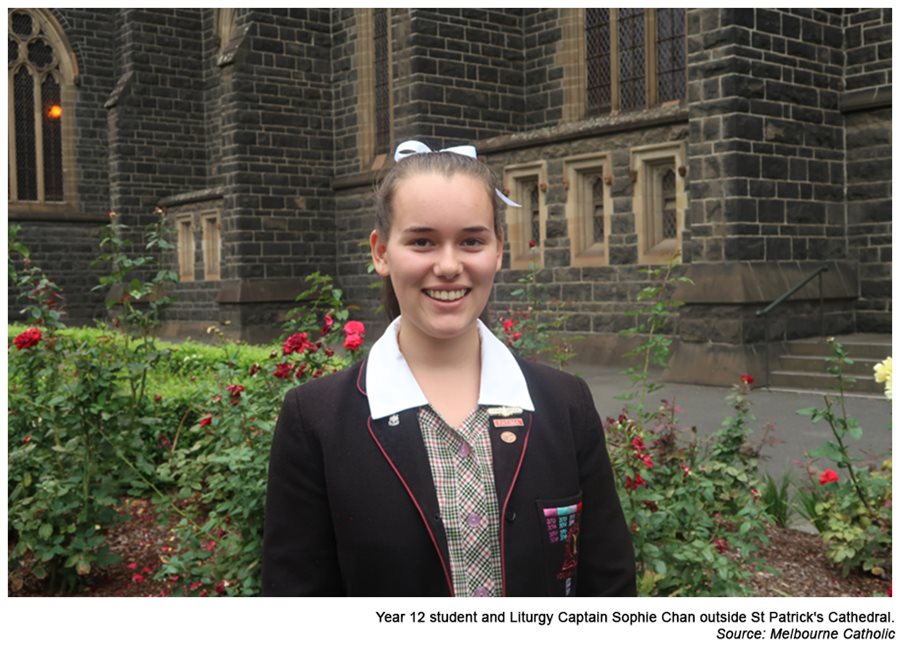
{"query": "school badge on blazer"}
(561, 525)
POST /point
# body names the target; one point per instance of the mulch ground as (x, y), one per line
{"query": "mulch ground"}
(797, 557)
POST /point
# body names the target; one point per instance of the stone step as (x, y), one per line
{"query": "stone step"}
(818, 364)
(870, 346)
(801, 380)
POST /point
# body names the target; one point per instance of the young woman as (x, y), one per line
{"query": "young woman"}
(442, 464)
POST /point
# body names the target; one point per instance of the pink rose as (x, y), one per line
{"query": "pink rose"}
(353, 342)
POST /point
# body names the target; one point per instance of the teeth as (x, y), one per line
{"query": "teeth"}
(447, 295)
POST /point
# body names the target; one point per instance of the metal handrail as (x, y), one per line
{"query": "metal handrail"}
(787, 294)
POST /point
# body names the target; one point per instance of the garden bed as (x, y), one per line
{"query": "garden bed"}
(797, 557)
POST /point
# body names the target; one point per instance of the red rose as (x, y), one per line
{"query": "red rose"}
(638, 444)
(355, 328)
(827, 477)
(254, 369)
(27, 339)
(137, 577)
(748, 379)
(508, 326)
(353, 342)
(206, 421)
(647, 461)
(283, 370)
(235, 391)
(297, 343)
(634, 484)
(721, 545)
(516, 336)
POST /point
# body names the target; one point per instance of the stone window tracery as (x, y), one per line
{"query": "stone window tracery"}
(659, 200)
(41, 75)
(526, 226)
(588, 208)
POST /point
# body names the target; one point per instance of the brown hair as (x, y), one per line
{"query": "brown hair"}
(446, 163)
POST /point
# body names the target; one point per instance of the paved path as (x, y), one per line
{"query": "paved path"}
(705, 407)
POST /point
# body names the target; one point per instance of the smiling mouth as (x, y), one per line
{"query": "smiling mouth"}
(446, 296)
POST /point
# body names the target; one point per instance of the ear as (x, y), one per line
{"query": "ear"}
(378, 254)
(499, 251)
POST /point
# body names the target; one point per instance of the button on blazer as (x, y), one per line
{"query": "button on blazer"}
(351, 507)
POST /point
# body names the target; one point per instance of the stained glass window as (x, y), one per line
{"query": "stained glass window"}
(26, 169)
(50, 119)
(381, 35)
(669, 220)
(631, 59)
(534, 209)
(670, 54)
(22, 24)
(37, 121)
(625, 72)
(597, 45)
(597, 208)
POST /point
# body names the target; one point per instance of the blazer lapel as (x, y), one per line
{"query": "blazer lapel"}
(400, 441)
(509, 440)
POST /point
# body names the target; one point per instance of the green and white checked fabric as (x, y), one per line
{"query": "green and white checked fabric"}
(463, 473)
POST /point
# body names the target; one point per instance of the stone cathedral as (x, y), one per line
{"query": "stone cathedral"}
(753, 146)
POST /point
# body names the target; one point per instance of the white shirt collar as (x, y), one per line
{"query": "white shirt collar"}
(391, 386)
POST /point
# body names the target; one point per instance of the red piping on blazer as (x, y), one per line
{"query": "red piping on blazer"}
(362, 368)
(408, 491)
(416, 503)
(506, 502)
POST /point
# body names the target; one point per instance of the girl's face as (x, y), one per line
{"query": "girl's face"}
(442, 253)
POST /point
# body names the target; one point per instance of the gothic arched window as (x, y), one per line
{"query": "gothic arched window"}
(42, 74)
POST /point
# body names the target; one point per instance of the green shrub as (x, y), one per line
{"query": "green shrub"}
(776, 500)
(852, 511)
(693, 507)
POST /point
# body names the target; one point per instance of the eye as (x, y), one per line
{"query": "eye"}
(473, 242)
(420, 242)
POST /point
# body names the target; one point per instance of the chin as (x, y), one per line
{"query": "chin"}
(447, 328)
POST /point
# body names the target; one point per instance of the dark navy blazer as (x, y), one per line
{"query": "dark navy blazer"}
(351, 507)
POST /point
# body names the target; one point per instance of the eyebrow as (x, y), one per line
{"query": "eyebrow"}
(477, 229)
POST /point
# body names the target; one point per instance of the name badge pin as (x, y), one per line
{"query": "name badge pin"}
(514, 421)
(508, 437)
(394, 420)
(504, 411)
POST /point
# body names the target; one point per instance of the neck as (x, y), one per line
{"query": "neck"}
(421, 351)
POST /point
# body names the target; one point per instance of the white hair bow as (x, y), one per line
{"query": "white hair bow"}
(412, 147)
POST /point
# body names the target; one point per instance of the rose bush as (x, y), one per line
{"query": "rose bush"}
(98, 415)
(214, 479)
(693, 507)
(851, 509)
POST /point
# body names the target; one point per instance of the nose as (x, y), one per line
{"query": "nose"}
(447, 263)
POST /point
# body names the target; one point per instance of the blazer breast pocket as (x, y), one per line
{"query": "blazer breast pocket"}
(560, 521)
